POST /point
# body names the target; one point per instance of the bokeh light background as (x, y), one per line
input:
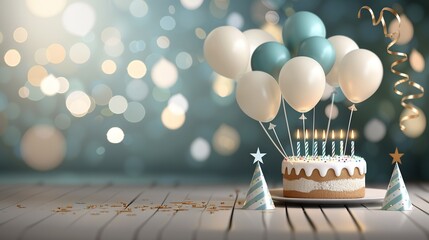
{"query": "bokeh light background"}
(122, 87)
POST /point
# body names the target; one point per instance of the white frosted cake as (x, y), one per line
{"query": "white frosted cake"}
(324, 177)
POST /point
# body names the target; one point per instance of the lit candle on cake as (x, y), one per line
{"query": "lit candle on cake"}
(298, 144)
(352, 143)
(306, 143)
(315, 150)
(341, 143)
(323, 143)
(333, 143)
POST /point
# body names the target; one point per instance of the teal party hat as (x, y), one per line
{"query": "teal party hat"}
(397, 198)
(258, 196)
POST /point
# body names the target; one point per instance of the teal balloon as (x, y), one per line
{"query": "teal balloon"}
(270, 57)
(300, 26)
(321, 50)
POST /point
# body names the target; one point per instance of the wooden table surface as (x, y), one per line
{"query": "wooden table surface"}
(192, 212)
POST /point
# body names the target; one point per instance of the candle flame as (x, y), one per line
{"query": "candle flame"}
(315, 134)
(297, 134)
(333, 134)
(352, 136)
(341, 134)
(306, 134)
(324, 134)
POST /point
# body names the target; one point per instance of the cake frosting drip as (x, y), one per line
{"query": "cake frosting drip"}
(323, 164)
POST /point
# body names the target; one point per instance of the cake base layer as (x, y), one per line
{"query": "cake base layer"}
(360, 193)
(329, 186)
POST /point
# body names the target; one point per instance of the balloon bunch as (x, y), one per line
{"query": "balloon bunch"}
(296, 71)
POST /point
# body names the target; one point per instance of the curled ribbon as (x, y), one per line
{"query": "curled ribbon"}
(405, 100)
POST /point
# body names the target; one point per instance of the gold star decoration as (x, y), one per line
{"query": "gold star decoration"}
(396, 156)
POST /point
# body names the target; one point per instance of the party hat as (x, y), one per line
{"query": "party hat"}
(397, 198)
(258, 196)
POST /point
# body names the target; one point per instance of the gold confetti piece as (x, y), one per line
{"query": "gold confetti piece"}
(180, 209)
(163, 206)
(61, 210)
(406, 99)
(20, 206)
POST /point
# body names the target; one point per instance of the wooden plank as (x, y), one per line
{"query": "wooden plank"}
(418, 199)
(380, 224)
(125, 226)
(88, 226)
(420, 213)
(215, 219)
(342, 222)
(425, 186)
(153, 228)
(17, 226)
(372, 206)
(246, 224)
(184, 224)
(54, 227)
(11, 191)
(422, 193)
(20, 195)
(276, 223)
(323, 227)
(4, 187)
(301, 227)
(43, 194)
(419, 216)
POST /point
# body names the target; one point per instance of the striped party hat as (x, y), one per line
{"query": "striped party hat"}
(258, 196)
(397, 198)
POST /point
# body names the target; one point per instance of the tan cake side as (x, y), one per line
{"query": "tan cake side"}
(330, 176)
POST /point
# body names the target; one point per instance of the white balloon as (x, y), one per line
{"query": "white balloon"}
(227, 51)
(342, 46)
(416, 126)
(302, 83)
(361, 72)
(258, 96)
(256, 37)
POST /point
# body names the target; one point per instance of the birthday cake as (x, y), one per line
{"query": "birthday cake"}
(324, 177)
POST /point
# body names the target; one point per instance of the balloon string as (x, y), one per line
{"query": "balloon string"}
(352, 109)
(278, 140)
(403, 57)
(272, 141)
(314, 121)
(287, 126)
(305, 135)
(330, 117)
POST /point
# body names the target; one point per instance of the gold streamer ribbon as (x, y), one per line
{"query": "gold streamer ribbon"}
(403, 57)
